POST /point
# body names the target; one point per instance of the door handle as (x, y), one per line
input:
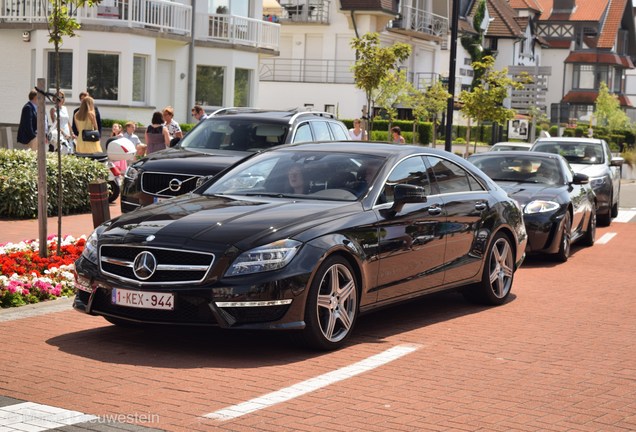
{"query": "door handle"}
(434, 211)
(481, 206)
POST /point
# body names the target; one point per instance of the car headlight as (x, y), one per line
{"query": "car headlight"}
(269, 257)
(132, 172)
(597, 181)
(90, 249)
(540, 206)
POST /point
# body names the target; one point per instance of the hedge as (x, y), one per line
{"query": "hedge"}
(19, 179)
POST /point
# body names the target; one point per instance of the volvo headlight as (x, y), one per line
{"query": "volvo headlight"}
(132, 172)
(269, 257)
(90, 249)
(540, 206)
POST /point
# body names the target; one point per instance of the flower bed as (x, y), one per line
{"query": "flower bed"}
(25, 277)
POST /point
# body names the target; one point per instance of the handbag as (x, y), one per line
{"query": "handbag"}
(90, 135)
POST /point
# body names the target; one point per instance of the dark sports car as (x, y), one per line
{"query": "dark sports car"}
(559, 206)
(305, 237)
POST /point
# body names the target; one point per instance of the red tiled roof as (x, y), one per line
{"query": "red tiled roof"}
(584, 10)
(559, 43)
(369, 5)
(524, 4)
(503, 22)
(589, 97)
(612, 23)
(599, 58)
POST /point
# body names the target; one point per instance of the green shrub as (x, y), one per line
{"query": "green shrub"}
(630, 157)
(19, 179)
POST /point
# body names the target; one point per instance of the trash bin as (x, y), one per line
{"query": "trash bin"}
(98, 194)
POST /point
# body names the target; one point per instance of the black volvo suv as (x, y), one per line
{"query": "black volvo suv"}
(224, 138)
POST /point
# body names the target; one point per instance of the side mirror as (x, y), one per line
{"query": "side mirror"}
(405, 194)
(617, 161)
(580, 179)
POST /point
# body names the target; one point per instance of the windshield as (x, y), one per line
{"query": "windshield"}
(223, 133)
(305, 175)
(584, 153)
(522, 169)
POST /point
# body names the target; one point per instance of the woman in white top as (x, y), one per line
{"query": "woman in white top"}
(64, 120)
(357, 133)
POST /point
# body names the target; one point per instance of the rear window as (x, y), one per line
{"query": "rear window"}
(584, 153)
(235, 135)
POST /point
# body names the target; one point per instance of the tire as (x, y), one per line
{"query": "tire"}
(590, 234)
(615, 210)
(497, 276)
(113, 191)
(605, 219)
(565, 242)
(332, 305)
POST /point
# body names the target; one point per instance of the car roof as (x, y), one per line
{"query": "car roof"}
(382, 149)
(282, 116)
(570, 139)
(516, 153)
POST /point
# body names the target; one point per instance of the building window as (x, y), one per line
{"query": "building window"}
(209, 90)
(66, 72)
(102, 76)
(583, 77)
(139, 78)
(242, 87)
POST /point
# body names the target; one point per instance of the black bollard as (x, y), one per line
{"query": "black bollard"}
(98, 193)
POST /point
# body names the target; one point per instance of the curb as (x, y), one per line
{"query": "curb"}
(36, 309)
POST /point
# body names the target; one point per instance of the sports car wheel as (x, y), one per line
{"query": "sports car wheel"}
(566, 238)
(590, 234)
(498, 274)
(332, 306)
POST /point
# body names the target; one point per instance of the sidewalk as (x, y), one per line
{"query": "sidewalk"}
(76, 225)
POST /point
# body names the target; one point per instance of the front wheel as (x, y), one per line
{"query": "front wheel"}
(113, 190)
(566, 239)
(332, 305)
(605, 219)
(498, 274)
(590, 233)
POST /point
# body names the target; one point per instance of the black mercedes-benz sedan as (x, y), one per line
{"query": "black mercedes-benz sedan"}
(304, 238)
(559, 206)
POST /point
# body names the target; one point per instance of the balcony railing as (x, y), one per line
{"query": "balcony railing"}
(162, 15)
(421, 21)
(305, 11)
(238, 30)
(308, 71)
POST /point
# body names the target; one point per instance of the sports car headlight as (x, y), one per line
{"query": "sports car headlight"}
(269, 257)
(540, 206)
(90, 249)
(597, 181)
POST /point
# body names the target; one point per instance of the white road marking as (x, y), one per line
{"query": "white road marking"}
(312, 384)
(33, 417)
(605, 238)
(624, 215)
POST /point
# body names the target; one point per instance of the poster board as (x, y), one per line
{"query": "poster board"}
(518, 129)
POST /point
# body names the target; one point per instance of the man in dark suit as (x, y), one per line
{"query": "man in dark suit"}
(27, 131)
(82, 95)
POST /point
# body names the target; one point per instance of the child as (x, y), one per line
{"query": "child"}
(130, 134)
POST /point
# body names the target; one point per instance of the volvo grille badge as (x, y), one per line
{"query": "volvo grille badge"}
(175, 185)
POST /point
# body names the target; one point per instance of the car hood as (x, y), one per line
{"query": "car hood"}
(527, 192)
(205, 222)
(596, 170)
(178, 160)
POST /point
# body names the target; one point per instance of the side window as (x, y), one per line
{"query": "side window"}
(410, 171)
(303, 133)
(339, 133)
(452, 178)
(321, 131)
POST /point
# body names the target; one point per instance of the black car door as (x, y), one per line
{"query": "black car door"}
(466, 202)
(411, 249)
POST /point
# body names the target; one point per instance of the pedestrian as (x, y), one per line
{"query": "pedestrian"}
(174, 130)
(66, 138)
(130, 134)
(199, 113)
(98, 118)
(85, 119)
(356, 132)
(396, 134)
(27, 131)
(157, 136)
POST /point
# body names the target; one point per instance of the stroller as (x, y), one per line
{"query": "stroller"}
(67, 147)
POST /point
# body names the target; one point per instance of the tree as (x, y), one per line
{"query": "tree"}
(485, 100)
(608, 111)
(429, 104)
(374, 63)
(393, 89)
(61, 23)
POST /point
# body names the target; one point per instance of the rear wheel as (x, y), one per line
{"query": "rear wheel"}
(113, 190)
(498, 274)
(590, 233)
(332, 305)
(566, 239)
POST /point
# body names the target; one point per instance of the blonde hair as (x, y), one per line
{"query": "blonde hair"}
(86, 106)
(168, 110)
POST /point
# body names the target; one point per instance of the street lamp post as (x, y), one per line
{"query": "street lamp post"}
(448, 145)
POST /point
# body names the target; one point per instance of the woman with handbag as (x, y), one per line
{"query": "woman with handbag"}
(86, 122)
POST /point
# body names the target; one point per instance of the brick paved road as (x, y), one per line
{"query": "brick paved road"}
(560, 356)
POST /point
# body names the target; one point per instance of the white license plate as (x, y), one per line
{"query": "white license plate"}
(143, 299)
(158, 199)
